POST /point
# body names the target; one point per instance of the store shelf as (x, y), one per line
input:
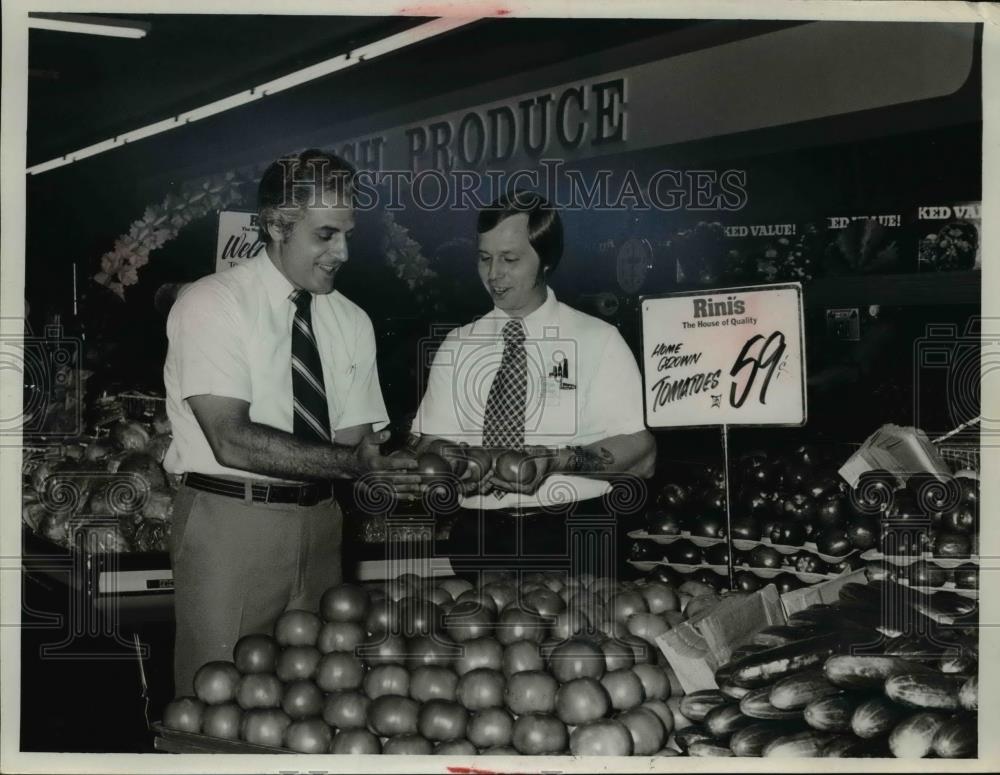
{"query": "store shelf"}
(895, 290)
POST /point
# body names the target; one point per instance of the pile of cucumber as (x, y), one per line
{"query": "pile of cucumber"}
(836, 682)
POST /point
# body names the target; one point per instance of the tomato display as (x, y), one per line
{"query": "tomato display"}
(184, 714)
(346, 710)
(308, 736)
(297, 628)
(222, 721)
(265, 726)
(344, 603)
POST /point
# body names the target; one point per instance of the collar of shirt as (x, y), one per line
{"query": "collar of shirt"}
(275, 284)
(536, 324)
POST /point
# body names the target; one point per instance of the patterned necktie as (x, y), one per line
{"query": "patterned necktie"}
(311, 416)
(503, 423)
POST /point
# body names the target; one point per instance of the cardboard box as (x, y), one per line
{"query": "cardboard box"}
(697, 648)
(827, 592)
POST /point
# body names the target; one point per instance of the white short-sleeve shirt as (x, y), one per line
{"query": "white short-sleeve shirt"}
(230, 335)
(583, 386)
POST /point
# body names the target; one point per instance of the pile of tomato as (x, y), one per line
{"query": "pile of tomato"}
(539, 664)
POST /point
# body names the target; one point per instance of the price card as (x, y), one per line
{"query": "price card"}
(732, 356)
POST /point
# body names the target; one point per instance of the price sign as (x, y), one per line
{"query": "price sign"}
(237, 242)
(733, 356)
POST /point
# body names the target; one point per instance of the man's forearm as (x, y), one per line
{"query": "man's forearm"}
(630, 454)
(261, 449)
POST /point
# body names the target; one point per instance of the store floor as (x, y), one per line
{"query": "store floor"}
(80, 684)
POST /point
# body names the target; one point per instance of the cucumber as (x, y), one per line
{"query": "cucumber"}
(744, 651)
(861, 594)
(849, 747)
(695, 733)
(831, 714)
(757, 704)
(779, 635)
(695, 706)
(800, 745)
(751, 740)
(704, 748)
(867, 672)
(958, 664)
(875, 717)
(798, 690)
(913, 738)
(931, 691)
(968, 694)
(765, 667)
(724, 720)
(957, 738)
(952, 604)
(733, 692)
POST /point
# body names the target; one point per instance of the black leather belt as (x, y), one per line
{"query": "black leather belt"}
(300, 494)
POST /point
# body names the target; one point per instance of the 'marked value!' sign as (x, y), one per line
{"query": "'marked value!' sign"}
(733, 356)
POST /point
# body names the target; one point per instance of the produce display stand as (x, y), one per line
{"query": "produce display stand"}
(136, 585)
(172, 741)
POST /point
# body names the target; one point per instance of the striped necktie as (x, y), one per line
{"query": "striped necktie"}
(311, 417)
(503, 422)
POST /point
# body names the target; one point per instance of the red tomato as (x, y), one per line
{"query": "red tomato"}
(345, 603)
(302, 699)
(392, 715)
(418, 617)
(346, 710)
(386, 679)
(383, 617)
(626, 603)
(582, 700)
(490, 727)
(297, 628)
(430, 464)
(309, 736)
(441, 720)
(605, 737)
(481, 688)
(502, 592)
(479, 653)
(577, 658)
(518, 624)
(355, 741)
(655, 681)
(340, 636)
(298, 662)
(545, 601)
(663, 711)
(468, 620)
(659, 597)
(455, 748)
(432, 650)
(222, 721)
(538, 734)
(256, 654)
(408, 745)
(383, 649)
(617, 655)
(648, 733)
(624, 688)
(216, 682)
(184, 714)
(265, 726)
(433, 683)
(516, 467)
(520, 656)
(531, 691)
(259, 690)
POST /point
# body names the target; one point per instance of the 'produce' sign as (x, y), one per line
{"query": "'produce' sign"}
(732, 356)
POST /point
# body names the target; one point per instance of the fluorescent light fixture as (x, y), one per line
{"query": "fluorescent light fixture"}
(88, 25)
(335, 64)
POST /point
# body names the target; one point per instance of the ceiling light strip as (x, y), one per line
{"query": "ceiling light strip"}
(86, 28)
(371, 51)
